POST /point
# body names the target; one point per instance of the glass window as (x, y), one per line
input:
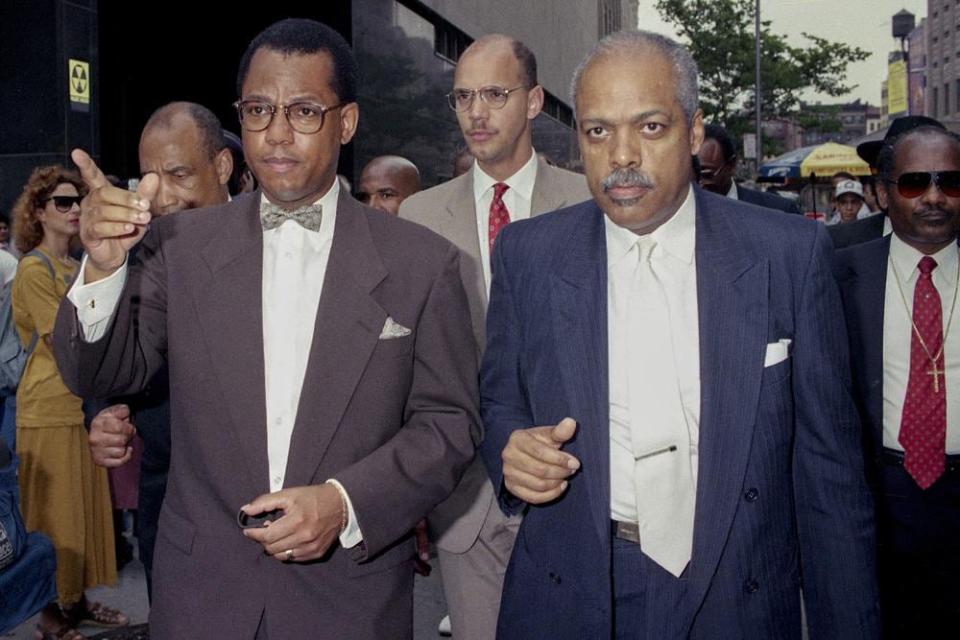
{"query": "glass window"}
(411, 24)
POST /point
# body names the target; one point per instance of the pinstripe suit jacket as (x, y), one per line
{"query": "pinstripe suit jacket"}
(782, 502)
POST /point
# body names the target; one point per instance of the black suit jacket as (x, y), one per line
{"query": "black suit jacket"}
(768, 200)
(857, 232)
(861, 272)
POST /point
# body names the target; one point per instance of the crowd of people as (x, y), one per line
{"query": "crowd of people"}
(645, 401)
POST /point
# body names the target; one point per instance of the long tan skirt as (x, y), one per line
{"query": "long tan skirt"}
(64, 495)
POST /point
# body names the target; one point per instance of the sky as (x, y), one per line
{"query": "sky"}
(862, 23)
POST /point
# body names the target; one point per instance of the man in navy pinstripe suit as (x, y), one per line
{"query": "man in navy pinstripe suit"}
(665, 392)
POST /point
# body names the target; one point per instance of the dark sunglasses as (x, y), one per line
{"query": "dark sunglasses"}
(915, 183)
(65, 203)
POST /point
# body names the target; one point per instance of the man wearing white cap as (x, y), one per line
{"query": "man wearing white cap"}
(847, 200)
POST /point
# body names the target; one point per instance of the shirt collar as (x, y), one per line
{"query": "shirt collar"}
(675, 237)
(905, 258)
(733, 193)
(521, 182)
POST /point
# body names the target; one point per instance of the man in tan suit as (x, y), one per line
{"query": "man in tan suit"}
(496, 98)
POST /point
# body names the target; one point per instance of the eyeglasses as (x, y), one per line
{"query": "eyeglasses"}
(64, 203)
(493, 97)
(304, 117)
(916, 183)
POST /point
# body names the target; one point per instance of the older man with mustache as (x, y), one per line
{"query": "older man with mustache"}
(665, 393)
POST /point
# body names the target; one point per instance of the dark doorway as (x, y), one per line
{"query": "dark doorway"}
(182, 50)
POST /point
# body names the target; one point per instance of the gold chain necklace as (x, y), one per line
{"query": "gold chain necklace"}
(935, 372)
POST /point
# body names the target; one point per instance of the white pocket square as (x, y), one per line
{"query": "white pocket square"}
(393, 329)
(777, 352)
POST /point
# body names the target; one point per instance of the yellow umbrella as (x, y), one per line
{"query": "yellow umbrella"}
(830, 157)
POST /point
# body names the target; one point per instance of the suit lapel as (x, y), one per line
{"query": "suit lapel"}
(548, 195)
(579, 311)
(230, 308)
(459, 226)
(733, 310)
(348, 325)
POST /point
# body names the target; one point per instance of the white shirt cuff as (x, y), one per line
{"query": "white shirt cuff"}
(351, 535)
(97, 301)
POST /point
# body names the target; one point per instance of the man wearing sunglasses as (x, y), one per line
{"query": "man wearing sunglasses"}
(718, 164)
(872, 227)
(900, 300)
(496, 98)
(322, 369)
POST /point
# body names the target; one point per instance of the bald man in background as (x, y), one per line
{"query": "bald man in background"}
(387, 181)
(183, 143)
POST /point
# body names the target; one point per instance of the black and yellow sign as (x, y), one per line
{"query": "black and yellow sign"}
(897, 88)
(78, 77)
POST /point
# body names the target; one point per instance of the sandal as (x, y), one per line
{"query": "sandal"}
(66, 632)
(97, 615)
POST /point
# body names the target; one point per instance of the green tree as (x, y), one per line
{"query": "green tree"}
(720, 35)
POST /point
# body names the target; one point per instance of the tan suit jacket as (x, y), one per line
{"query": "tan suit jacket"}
(449, 209)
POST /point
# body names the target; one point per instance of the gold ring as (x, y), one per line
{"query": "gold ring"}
(288, 555)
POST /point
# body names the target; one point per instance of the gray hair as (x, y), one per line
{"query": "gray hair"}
(684, 67)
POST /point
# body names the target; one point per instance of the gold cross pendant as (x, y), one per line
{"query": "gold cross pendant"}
(936, 373)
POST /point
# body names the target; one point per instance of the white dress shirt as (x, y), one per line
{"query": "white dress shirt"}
(733, 193)
(638, 427)
(517, 199)
(897, 330)
(8, 267)
(294, 266)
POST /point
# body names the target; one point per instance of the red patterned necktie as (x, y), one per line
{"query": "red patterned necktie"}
(499, 216)
(923, 426)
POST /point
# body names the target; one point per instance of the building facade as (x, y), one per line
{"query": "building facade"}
(942, 91)
(86, 78)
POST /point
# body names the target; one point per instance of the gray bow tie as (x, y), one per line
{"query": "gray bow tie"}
(308, 217)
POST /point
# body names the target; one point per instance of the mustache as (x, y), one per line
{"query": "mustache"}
(626, 178)
(938, 211)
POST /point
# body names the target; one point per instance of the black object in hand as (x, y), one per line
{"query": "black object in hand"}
(255, 521)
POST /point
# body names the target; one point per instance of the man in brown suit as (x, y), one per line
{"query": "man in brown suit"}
(496, 97)
(322, 375)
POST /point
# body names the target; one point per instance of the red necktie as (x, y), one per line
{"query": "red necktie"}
(923, 426)
(499, 216)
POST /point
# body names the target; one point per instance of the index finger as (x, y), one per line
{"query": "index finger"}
(89, 171)
(266, 502)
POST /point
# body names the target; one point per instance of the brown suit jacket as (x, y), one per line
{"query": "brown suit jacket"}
(449, 209)
(395, 421)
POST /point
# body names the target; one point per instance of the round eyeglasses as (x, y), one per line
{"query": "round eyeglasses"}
(493, 97)
(304, 117)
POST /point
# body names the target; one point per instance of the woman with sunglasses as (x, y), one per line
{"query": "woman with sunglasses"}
(62, 493)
